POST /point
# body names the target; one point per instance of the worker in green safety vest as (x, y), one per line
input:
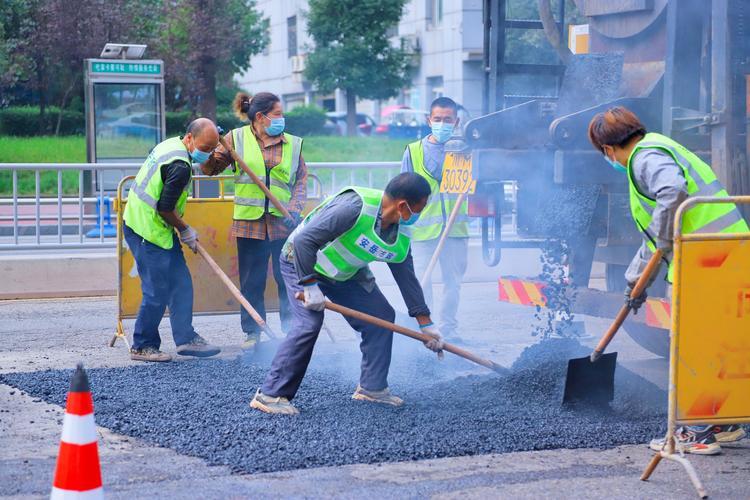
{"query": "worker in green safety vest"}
(260, 228)
(661, 175)
(426, 158)
(328, 255)
(154, 209)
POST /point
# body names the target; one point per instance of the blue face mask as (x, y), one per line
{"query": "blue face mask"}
(276, 127)
(442, 131)
(412, 218)
(199, 156)
(616, 165)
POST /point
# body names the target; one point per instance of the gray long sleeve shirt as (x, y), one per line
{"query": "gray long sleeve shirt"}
(657, 176)
(330, 222)
(434, 156)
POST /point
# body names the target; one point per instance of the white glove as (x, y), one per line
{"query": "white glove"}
(436, 344)
(314, 298)
(189, 237)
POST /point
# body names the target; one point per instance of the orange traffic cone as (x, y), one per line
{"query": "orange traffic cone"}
(77, 474)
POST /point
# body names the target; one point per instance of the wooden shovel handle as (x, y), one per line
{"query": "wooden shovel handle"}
(235, 291)
(422, 337)
(638, 289)
(258, 182)
(439, 248)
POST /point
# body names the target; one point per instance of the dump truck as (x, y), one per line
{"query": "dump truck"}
(682, 65)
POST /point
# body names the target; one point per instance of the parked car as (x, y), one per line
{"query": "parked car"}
(336, 124)
(405, 124)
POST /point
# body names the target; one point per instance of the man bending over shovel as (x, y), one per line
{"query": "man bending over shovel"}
(328, 254)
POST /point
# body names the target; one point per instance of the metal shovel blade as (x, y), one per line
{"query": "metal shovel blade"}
(591, 383)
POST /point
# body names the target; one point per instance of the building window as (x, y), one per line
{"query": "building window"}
(434, 12)
(392, 31)
(267, 46)
(434, 87)
(291, 35)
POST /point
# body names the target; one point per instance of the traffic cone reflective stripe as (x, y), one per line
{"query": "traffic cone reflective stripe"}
(77, 475)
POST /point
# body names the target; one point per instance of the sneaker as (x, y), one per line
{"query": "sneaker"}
(149, 354)
(728, 433)
(383, 397)
(691, 441)
(251, 341)
(198, 347)
(277, 406)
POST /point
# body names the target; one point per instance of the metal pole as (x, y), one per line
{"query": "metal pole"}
(36, 189)
(15, 207)
(80, 206)
(59, 206)
(101, 205)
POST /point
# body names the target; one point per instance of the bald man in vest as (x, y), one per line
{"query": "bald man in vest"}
(426, 157)
(151, 224)
(328, 255)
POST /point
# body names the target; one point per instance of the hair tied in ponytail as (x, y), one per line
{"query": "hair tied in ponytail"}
(245, 104)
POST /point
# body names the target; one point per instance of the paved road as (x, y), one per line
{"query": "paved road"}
(37, 335)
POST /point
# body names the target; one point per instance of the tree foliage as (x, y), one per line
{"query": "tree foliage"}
(352, 50)
(203, 42)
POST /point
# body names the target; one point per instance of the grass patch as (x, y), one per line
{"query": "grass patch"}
(72, 149)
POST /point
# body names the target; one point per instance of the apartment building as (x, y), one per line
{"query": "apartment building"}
(444, 35)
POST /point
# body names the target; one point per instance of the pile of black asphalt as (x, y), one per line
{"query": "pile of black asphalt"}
(200, 408)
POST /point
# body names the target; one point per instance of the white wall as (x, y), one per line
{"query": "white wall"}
(451, 50)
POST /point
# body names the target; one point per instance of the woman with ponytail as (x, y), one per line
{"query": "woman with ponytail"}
(260, 229)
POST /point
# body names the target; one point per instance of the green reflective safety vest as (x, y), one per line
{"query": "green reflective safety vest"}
(438, 209)
(140, 210)
(249, 201)
(341, 258)
(701, 181)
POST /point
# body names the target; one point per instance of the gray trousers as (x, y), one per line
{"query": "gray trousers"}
(291, 360)
(453, 261)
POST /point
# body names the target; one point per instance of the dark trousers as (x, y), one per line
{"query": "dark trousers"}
(290, 364)
(165, 281)
(253, 258)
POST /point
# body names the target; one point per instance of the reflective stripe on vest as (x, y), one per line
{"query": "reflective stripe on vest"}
(343, 257)
(249, 201)
(141, 212)
(434, 217)
(701, 181)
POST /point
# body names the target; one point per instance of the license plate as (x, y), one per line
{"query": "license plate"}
(457, 176)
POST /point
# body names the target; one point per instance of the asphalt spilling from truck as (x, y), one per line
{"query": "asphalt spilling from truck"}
(200, 408)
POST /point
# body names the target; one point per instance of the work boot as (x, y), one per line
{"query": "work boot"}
(251, 341)
(383, 396)
(276, 406)
(691, 440)
(198, 347)
(728, 433)
(149, 354)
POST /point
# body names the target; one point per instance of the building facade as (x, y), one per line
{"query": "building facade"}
(444, 35)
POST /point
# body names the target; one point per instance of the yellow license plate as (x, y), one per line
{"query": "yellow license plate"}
(457, 176)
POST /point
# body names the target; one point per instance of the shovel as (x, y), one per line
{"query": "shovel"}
(236, 292)
(592, 379)
(422, 337)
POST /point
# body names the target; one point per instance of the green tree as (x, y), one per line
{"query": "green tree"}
(352, 51)
(205, 42)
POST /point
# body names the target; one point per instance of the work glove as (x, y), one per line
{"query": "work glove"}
(189, 237)
(436, 344)
(293, 222)
(637, 302)
(314, 298)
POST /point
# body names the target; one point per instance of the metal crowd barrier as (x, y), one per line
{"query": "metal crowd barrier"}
(67, 230)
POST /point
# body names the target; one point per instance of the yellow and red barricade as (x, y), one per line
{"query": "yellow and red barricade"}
(709, 367)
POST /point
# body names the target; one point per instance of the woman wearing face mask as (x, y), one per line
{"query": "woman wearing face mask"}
(662, 174)
(260, 228)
